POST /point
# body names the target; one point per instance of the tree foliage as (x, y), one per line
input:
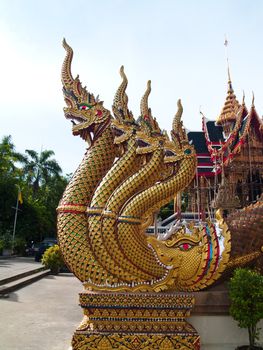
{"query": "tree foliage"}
(40, 179)
(167, 210)
(39, 168)
(246, 294)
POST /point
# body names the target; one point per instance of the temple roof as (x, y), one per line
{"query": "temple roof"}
(215, 132)
(211, 144)
(251, 120)
(231, 105)
(218, 144)
(199, 141)
(204, 164)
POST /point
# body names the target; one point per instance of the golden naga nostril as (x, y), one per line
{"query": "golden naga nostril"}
(138, 288)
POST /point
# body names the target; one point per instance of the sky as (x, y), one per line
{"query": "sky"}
(178, 45)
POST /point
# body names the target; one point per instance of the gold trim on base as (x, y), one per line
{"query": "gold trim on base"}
(135, 321)
(135, 342)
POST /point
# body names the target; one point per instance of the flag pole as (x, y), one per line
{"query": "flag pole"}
(14, 230)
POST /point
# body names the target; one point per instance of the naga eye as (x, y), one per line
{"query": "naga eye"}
(187, 151)
(99, 113)
(84, 107)
(185, 246)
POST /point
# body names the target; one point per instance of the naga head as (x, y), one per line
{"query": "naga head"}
(192, 251)
(86, 112)
(176, 246)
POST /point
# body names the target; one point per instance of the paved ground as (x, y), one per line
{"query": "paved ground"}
(41, 316)
(14, 266)
(44, 315)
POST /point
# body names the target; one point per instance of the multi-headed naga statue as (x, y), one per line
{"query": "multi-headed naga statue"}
(129, 171)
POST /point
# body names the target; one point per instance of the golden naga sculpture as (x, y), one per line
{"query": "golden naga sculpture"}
(129, 171)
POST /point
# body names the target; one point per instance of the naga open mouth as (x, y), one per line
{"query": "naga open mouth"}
(120, 135)
(117, 131)
(141, 143)
(144, 147)
(80, 126)
(169, 153)
(170, 156)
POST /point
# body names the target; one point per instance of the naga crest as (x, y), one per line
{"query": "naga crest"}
(84, 110)
(131, 170)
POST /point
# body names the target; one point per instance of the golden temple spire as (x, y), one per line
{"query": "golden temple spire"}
(231, 105)
(230, 88)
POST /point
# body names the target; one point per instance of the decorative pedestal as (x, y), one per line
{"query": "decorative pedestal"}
(135, 321)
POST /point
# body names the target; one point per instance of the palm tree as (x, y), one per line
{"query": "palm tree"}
(8, 157)
(39, 168)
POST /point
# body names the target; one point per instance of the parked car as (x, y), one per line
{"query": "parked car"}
(43, 247)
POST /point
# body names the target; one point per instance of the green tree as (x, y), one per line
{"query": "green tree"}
(246, 294)
(39, 168)
(10, 177)
(39, 177)
(9, 157)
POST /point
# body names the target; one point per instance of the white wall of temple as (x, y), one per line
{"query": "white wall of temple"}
(221, 332)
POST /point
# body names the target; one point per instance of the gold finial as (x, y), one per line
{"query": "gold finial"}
(230, 88)
(147, 121)
(228, 113)
(253, 100)
(243, 98)
(120, 103)
(144, 100)
(72, 87)
(228, 72)
(177, 118)
(178, 132)
(67, 79)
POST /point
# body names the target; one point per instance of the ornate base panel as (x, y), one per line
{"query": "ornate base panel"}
(135, 342)
(135, 321)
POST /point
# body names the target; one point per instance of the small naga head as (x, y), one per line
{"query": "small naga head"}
(186, 252)
(124, 124)
(86, 112)
(179, 244)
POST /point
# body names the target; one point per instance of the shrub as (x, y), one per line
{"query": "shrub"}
(246, 294)
(6, 239)
(20, 246)
(1, 246)
(52, 259)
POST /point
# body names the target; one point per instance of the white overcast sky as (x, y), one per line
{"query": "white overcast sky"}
(179, 45)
